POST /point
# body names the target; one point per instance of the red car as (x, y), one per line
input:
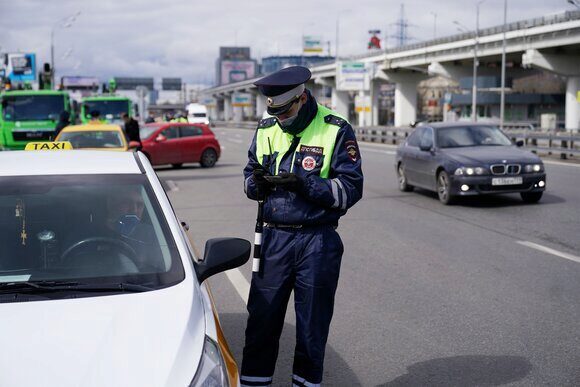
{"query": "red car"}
(176, 143)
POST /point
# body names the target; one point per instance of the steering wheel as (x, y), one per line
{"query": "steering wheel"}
(120, 245)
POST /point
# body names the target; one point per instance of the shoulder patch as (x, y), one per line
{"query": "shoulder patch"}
(334, 120)
(266, 122)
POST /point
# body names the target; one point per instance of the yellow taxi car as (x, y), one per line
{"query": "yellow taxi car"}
(95, 136)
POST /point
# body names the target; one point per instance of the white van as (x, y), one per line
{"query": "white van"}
(197, 114)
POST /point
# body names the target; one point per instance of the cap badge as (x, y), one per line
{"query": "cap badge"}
(269, 101)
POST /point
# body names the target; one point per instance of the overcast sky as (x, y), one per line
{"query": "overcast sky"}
(181, 38)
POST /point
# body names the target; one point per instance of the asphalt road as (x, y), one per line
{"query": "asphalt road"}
(483, 293)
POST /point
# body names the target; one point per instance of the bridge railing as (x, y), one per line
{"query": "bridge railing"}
(561, 143)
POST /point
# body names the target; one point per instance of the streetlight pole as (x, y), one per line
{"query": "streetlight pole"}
(475, 64)
(502, 102)
(67, 23)
(434, 24)
(575, 3)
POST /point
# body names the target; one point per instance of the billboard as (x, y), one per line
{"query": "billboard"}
(80, 83)
(312, 44)
(235, 53)
(236, 70)
(242, 100)
(352, 76)
(21, 67)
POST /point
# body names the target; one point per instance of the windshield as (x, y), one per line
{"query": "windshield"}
(93, 139)
(32, 107)
(93, 229)
(148, 130)
(463, 136)
(107, 109)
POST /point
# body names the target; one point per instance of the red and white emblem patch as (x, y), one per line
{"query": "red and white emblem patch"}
(308, 163)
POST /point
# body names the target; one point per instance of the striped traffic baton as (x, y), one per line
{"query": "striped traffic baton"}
(257, 264)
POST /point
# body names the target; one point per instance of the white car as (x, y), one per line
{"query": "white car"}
(99, 284)
(197, 114)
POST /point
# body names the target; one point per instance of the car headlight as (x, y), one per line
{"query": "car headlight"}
(533, 168)
(470, 171)
(212, 369)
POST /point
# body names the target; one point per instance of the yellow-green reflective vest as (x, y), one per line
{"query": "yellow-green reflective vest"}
(319, 134)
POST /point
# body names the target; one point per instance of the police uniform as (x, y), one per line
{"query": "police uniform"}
(301, 249)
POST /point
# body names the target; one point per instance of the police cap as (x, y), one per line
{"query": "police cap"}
(283, 88)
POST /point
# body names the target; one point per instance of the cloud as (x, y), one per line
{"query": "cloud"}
(179, 38)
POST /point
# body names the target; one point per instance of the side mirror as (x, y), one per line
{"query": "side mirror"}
(160, 138)
(520, 143)
(222, 254)
(425, 147)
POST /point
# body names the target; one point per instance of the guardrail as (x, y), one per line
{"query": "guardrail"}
(538, 142)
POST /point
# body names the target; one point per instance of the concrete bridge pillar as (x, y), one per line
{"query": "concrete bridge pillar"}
(228, 111)
(572, 103)
(563, 64)
(260, 105)
(405, 95)
(340, 101)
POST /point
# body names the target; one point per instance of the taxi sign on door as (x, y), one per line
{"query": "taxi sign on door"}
(54, 145)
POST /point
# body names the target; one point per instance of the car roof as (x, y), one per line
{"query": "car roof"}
(92, 127)
(67, 162)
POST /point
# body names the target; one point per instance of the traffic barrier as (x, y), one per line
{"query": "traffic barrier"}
(538, 142)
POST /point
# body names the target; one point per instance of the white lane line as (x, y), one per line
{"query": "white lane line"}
(549, 251)
(234, 140)
(222, 147)
(377, 145)
(240, 283)
(560, 163)
(385, 152)
(173, 187)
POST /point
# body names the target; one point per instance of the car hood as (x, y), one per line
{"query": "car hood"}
(491, 155)
(142, 339)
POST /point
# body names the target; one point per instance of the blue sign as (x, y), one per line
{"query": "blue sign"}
(21, 67)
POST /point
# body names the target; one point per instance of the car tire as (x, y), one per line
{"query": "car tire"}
(444, 188)
(531, 197)
(208, 158)
(177, 165)
(403, 185)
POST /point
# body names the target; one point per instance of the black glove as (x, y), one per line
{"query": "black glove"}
(263, 186)
(289, 181)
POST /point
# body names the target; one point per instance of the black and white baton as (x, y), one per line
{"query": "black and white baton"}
(257, 261)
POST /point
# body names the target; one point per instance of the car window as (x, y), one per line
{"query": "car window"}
(463, 136)
(87, 228)
(427, 137)
(171, 132)
(93, 139)
(190, 131)
(414, 138)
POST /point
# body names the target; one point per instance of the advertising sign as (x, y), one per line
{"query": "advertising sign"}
(72, 83)
(236, 71)
(242, 100)
(209, 102)
(352, 76)
(21, 67)
(312, 44)
(362, 103)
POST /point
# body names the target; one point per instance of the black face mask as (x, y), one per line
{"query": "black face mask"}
(305, 116)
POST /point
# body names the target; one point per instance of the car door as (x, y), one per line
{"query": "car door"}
(425, 160)
(410, 156)
(166, 148)
(190, 143)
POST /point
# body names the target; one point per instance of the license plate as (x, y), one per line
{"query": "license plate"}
(506, 181)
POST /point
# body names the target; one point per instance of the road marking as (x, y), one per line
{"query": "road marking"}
(379, 151)
(561, 163)
(377, 145)
(240, 283)
(234, 140)
(173, 187)
(549, 251)
(222, 147)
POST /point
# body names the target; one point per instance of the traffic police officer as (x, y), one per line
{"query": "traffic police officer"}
(314, 156)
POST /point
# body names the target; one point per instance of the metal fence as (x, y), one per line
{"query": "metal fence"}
(561, 143)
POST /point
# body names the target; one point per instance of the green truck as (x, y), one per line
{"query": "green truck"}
(109, 107)
(30, 115)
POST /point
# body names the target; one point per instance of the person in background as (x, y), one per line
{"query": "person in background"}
(95, 117)
(63, 122)
(132, 131)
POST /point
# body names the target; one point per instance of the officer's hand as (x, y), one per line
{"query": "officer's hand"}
(289, 181)
(262, 185)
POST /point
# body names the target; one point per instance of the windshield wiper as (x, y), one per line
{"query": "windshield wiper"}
(50, 286)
